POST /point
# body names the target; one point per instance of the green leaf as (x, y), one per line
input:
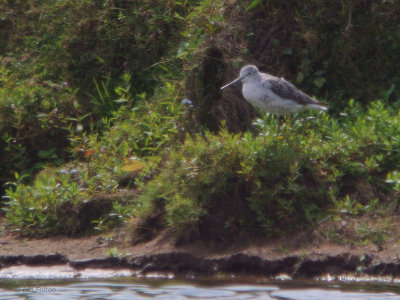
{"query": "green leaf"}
(182, 49)
(132, 166)
(300, 77)
(319, 81)
(47, 153)
(276, 42)
(287, 51)
(253, 4)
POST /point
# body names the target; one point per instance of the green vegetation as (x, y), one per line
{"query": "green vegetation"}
(335, 49)
(93, 132)
(257, 182)
(65, 65)
(73, 198)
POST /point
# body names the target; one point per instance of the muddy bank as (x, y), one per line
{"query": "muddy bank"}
(186, 264)
(65, 257)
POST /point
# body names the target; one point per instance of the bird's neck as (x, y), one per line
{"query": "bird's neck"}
(253, 79)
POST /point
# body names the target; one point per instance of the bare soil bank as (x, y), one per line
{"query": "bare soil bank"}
(304, 255)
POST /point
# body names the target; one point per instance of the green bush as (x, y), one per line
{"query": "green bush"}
(37, 209)
(216, 185)
(66, 65)
(219, 184)
(84, 194)
(35, 121)
(78, 41)
(71, 200)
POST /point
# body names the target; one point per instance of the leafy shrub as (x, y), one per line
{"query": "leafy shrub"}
(78, 41)
(217, 185)
(65, 65)
(35, 121)
(68, 200)
(83, 195)
(36, 209)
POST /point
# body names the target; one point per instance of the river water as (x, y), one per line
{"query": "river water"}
(234, 288)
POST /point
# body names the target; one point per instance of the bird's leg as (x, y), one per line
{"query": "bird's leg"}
(279, 119)
(288, 120)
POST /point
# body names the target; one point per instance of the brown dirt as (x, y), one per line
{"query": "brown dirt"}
(305, 254)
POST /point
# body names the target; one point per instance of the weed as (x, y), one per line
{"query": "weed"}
(113, 252)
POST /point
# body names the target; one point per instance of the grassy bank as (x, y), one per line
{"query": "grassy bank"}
(217, 186)
(95, 133)
(225, 185)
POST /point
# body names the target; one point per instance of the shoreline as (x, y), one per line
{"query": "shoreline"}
(76, 256)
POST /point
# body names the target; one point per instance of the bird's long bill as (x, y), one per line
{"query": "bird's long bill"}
(237, 80)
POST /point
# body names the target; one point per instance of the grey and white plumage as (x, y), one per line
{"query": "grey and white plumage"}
(272, 94)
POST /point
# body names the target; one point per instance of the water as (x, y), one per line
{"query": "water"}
(146, 288)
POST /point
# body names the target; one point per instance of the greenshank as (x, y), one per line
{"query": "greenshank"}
(272, 94)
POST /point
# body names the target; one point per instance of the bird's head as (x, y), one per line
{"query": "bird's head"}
(247, 73)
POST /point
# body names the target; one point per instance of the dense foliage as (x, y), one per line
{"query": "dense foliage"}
(66, 64)
(93, 132)
(214, 185)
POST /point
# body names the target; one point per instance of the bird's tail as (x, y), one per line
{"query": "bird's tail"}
(318, 106)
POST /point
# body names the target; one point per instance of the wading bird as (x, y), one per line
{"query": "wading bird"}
(272, 94)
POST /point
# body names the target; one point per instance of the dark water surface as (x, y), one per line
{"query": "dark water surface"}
(147, 288)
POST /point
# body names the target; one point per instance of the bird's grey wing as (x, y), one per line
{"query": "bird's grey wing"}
(286, 90)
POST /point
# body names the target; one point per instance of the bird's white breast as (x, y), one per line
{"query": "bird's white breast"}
(261, 96)
(253, 93)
